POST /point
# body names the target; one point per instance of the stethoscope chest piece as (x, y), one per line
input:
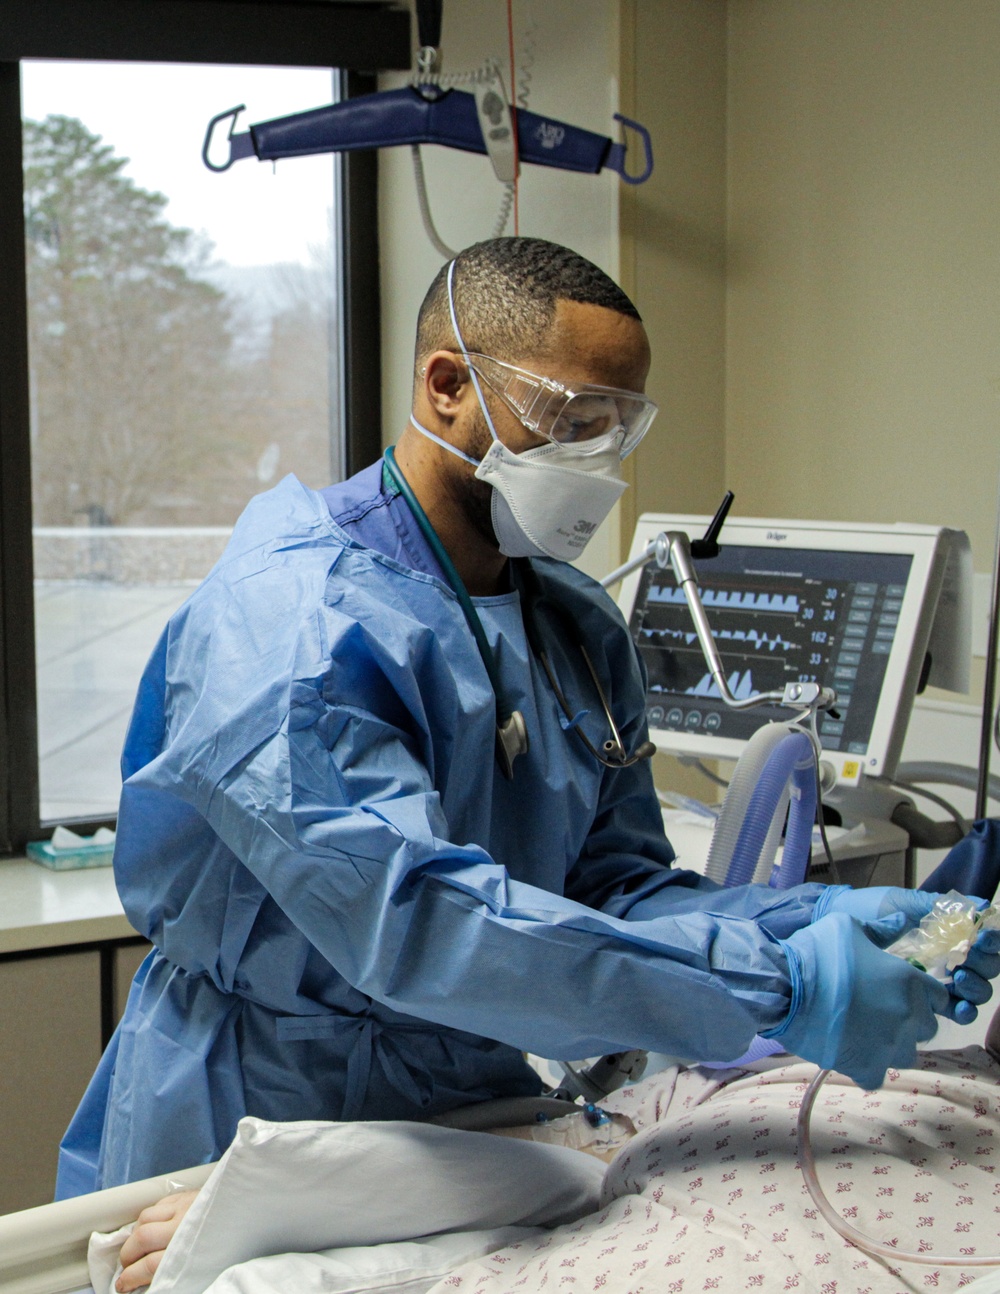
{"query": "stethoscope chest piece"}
(512, 740)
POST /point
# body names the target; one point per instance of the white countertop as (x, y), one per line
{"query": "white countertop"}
(40, 908)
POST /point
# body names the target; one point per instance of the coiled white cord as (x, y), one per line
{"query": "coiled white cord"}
(526, 62)
(446, 81)
(430, 229)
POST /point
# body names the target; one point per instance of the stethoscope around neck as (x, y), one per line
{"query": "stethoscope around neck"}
(511, 730)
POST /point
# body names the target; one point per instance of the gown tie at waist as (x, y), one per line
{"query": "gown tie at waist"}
(372, 1041)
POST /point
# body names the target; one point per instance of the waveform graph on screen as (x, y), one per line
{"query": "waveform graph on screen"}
(758, 631)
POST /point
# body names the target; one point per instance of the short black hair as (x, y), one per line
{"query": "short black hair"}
(506, 290)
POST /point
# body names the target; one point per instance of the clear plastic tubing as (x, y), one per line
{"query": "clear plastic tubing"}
(938, 946)
(844, 1228)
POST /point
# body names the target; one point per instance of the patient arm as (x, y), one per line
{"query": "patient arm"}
(143, 1250)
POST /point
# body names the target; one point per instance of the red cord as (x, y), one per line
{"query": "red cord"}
(513, 107)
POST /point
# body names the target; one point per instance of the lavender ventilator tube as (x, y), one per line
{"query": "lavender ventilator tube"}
(777, 754)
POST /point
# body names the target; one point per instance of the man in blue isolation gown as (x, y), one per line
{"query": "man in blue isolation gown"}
(366, 905)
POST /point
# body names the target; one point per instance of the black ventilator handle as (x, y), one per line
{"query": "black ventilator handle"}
(708, 545)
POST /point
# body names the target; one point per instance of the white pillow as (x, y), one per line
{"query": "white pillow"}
(301, 1187)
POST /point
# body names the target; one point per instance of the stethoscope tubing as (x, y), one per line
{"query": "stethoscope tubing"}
(448, 566)
(614, 754)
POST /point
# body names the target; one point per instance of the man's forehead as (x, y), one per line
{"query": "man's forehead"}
(591, 343)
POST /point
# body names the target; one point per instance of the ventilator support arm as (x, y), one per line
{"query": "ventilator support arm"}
(673, 548)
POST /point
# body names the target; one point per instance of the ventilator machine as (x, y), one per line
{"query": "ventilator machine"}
(835, 626)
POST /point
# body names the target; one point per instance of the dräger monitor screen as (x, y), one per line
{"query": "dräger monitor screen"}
(778, 616)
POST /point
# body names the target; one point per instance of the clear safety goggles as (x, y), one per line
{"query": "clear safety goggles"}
(589, 418)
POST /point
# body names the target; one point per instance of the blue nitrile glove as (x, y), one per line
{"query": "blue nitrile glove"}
(874, 902)
(855, 1008)
(969, 987)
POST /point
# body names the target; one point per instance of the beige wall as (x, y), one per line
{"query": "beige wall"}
(816, 254)
(50, 1043)
(673, 261)
(862, 365)
(673, 247)
(575, 78)
(664, 63)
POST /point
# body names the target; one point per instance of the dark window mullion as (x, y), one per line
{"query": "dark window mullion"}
(18, 696)
(362, 370)
(363, 35)
(289, 33)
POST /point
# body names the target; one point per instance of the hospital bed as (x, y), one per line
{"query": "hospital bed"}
(708, 1187)
(44, 1250)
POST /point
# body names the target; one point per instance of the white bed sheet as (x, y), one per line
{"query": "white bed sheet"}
(708, 1196)
(361, 1189)
(44, 1250)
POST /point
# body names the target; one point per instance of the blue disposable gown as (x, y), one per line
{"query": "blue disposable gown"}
(354, 914)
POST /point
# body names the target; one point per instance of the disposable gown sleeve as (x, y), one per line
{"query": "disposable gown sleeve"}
(334, 812)
(626, 867)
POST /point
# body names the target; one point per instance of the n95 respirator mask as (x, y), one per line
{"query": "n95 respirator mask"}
(549, 501)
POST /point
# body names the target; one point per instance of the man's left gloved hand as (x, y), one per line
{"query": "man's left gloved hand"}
(970, 986)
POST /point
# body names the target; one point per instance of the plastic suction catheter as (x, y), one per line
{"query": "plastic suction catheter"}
(782, 760)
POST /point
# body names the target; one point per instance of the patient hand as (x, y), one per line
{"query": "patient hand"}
(142, 1252)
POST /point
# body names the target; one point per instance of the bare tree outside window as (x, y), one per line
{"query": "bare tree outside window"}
(153, 392)
(167, 388)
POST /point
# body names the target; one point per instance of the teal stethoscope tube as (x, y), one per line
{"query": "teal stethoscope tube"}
(512, 737)
(511, 734)
(446, 564)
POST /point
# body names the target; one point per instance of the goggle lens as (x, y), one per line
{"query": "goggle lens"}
(591, 419)
(594, 421)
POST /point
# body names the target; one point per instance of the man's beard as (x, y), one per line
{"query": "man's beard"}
(473, 496)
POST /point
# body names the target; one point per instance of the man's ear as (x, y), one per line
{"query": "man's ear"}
(446, 378)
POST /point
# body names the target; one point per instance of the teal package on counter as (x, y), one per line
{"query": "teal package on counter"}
(67, 851)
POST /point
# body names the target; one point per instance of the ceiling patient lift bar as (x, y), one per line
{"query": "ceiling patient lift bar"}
(426, 113)
(423, 115)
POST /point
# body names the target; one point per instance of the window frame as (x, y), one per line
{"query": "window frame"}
(357, 39)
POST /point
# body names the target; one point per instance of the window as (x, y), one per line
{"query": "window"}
(183, 348)
(174, 341)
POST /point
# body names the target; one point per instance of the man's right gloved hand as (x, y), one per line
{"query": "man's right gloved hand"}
(855, 1008)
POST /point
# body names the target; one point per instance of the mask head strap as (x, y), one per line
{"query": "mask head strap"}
(465, 353)
(453, 449)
